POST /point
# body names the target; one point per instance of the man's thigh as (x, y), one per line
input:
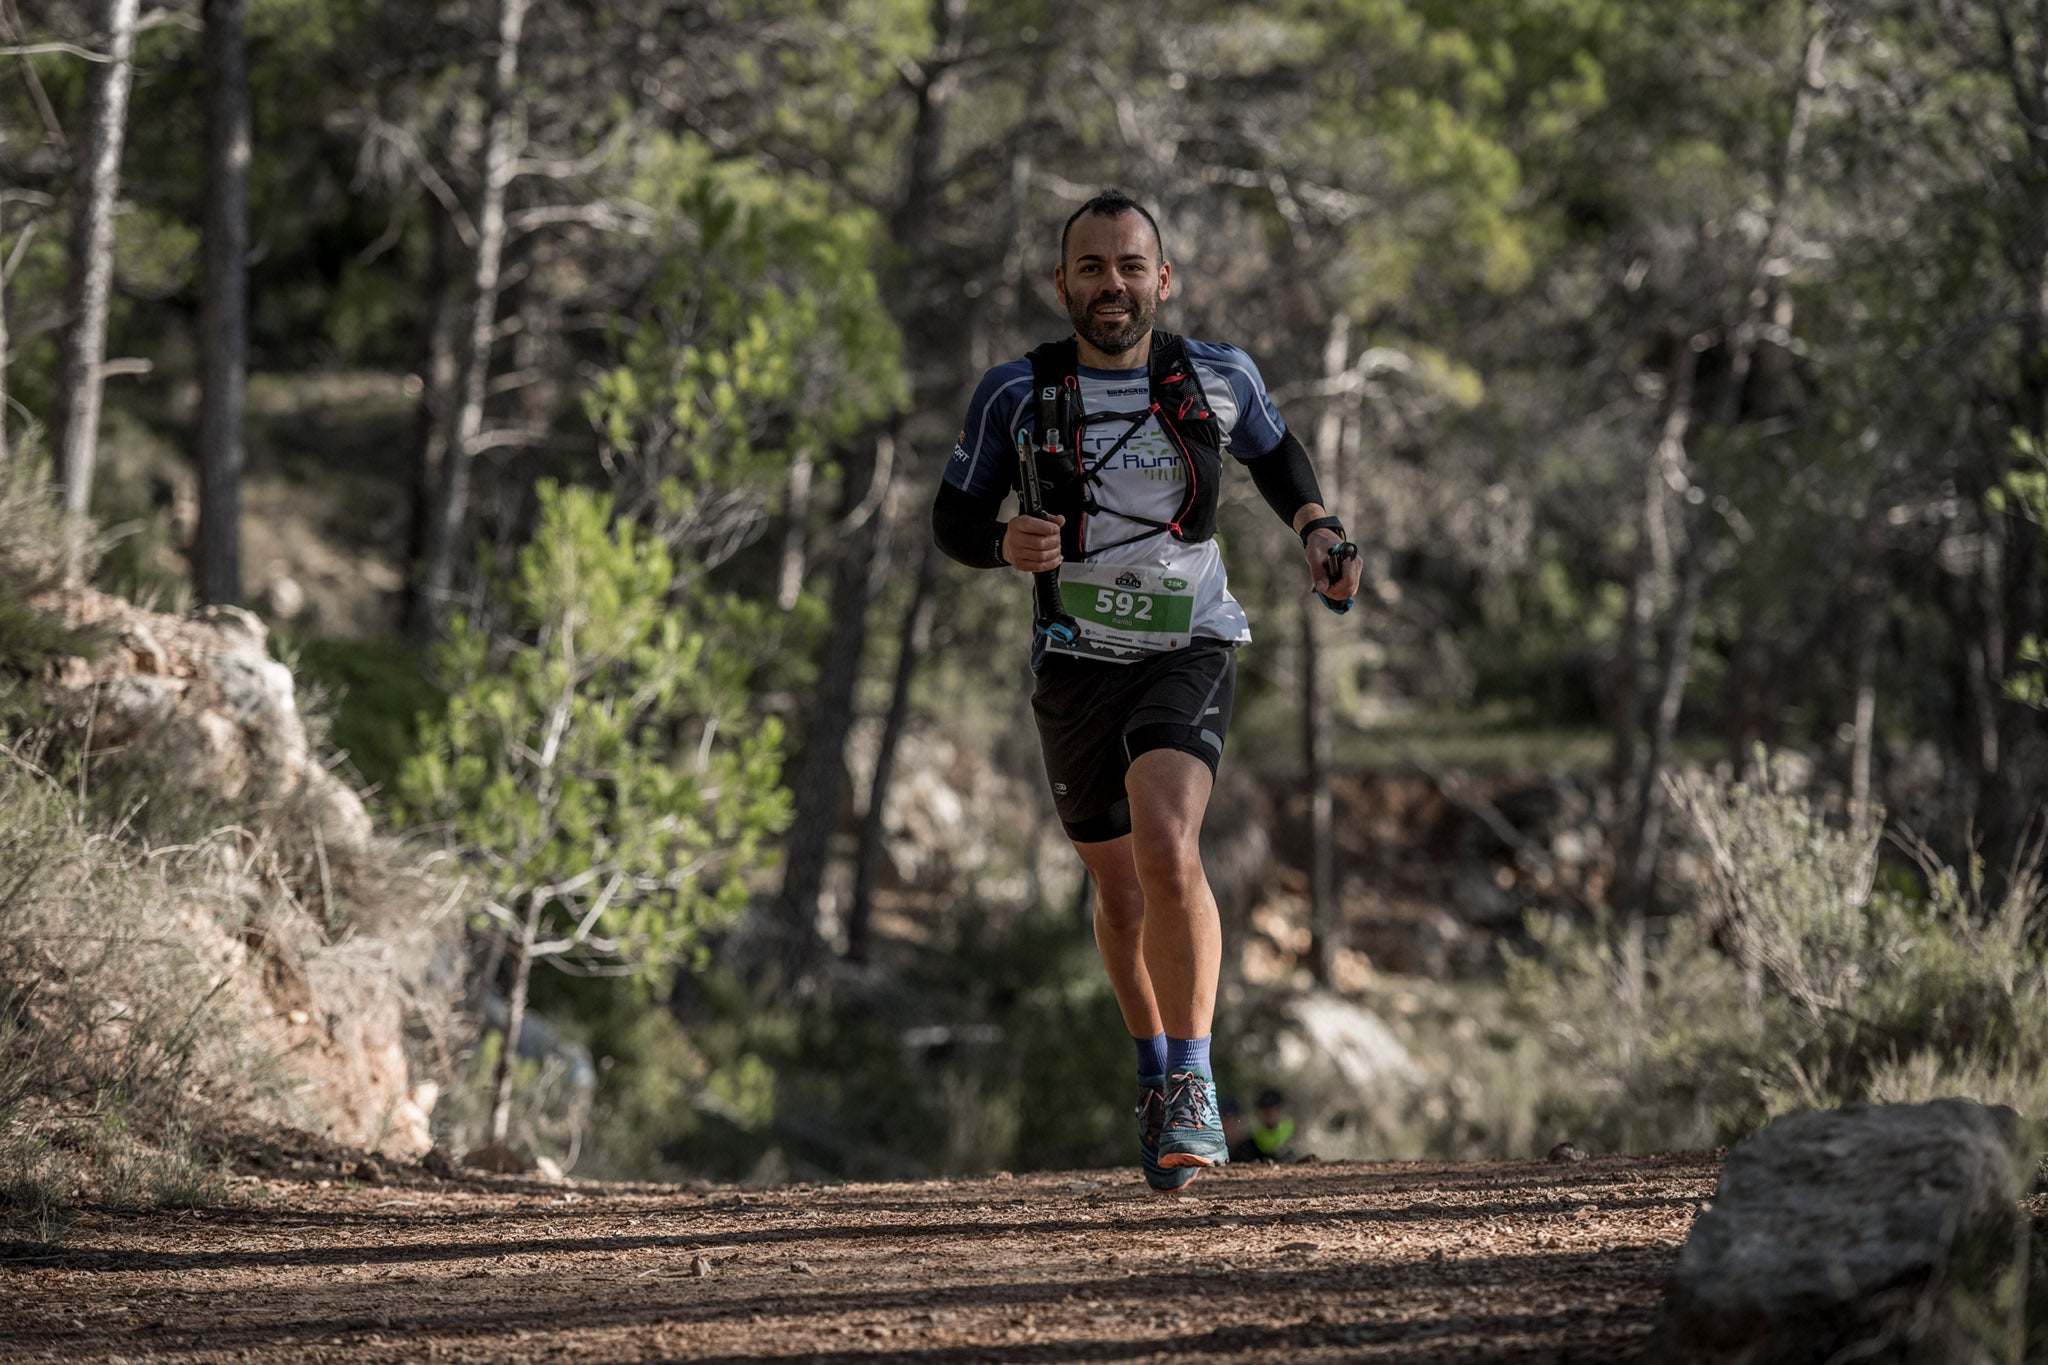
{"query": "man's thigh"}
(1169, 791)
(1095, 719)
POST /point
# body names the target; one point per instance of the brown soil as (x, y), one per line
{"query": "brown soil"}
(1517, 1261)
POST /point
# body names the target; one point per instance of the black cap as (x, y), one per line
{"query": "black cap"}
(1270, 1099)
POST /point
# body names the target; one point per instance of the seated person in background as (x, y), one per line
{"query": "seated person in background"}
(1272, 1130)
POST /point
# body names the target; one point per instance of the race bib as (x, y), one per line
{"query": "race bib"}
(1125, 611)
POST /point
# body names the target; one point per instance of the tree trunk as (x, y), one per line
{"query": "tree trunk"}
(1650, 585)
(92, 274)
(1646, 837)
(819, 773)
(821, 767)
(515, 1020)
(224, 314)
(1863, 719)
(1325, 928)
(451, 509)
(6, 274)
(2010, 800)
(1325, 933)
(434, 424)
(917, 632)
(790, 582)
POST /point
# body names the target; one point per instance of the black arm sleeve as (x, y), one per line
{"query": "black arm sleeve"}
(1285, 478)
(966, 528)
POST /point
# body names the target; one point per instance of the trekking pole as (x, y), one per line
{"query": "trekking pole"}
(1333, 569)
(1049, 615)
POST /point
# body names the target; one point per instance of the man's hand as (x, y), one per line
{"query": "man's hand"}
(1032, 544)
(1317, 550)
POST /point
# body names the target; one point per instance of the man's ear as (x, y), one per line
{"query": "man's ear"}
(1059, 283)
(1165, 278)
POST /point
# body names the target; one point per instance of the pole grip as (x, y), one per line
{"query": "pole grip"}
(1333, 569)
(1049, 616)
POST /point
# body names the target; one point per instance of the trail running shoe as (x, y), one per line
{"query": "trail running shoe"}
(1192, 1136)
(1151, 1117)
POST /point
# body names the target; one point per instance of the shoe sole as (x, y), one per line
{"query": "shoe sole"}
(1176, 1160)
(1172, 1189)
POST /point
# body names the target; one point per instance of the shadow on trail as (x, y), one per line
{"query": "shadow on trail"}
(793, 1231)
(594, 1296)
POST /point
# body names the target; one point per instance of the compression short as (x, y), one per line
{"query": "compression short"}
(1094, 717)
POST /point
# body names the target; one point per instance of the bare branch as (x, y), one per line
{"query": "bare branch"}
(154, 19)
(604, 215)
(567, 168)
(45, 49)
(878, 486)
(401, 140)
(10, 23)
(499, 438)
(21, 242)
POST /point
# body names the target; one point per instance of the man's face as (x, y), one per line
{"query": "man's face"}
(1112, 280)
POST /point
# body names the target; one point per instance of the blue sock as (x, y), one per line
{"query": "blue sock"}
(1151, 1055)
(1188, 1054)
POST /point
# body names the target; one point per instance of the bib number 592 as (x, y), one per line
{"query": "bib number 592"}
(1134, 606)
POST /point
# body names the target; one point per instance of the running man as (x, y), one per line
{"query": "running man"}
(1131, 424)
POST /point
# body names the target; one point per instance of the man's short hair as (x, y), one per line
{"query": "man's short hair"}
(1108, 204)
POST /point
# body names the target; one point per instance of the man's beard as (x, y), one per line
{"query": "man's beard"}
(1114, 338)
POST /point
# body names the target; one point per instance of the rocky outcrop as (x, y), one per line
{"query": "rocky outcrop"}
(204, 689)
(1869, 1233)
(198, 703)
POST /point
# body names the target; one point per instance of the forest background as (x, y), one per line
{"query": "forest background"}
(566, 386)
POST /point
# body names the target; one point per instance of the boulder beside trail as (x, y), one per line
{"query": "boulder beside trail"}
(205, 688)
(1868, 1233)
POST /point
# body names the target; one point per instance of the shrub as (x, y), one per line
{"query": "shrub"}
(1794, 980)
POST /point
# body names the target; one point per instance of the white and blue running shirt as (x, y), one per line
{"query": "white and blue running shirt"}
(1147, 477)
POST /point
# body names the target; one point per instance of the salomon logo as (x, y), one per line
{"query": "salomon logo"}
(1048, 393)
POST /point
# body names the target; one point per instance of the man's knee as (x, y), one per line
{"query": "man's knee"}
(1170, 867)
(1121, 908)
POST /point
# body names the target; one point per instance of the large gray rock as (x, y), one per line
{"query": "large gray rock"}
(1869, 1233)
(1350, 1039)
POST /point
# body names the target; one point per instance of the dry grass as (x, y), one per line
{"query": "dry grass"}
(118, 1038)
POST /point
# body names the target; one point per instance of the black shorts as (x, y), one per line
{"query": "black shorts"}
(1095, 717)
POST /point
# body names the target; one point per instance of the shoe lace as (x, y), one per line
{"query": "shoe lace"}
(1151, 1111)
(1190, 1110)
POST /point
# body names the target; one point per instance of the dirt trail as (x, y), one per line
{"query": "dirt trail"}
(1522, 1261)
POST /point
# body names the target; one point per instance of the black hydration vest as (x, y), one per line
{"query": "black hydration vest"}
(1070, 479)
